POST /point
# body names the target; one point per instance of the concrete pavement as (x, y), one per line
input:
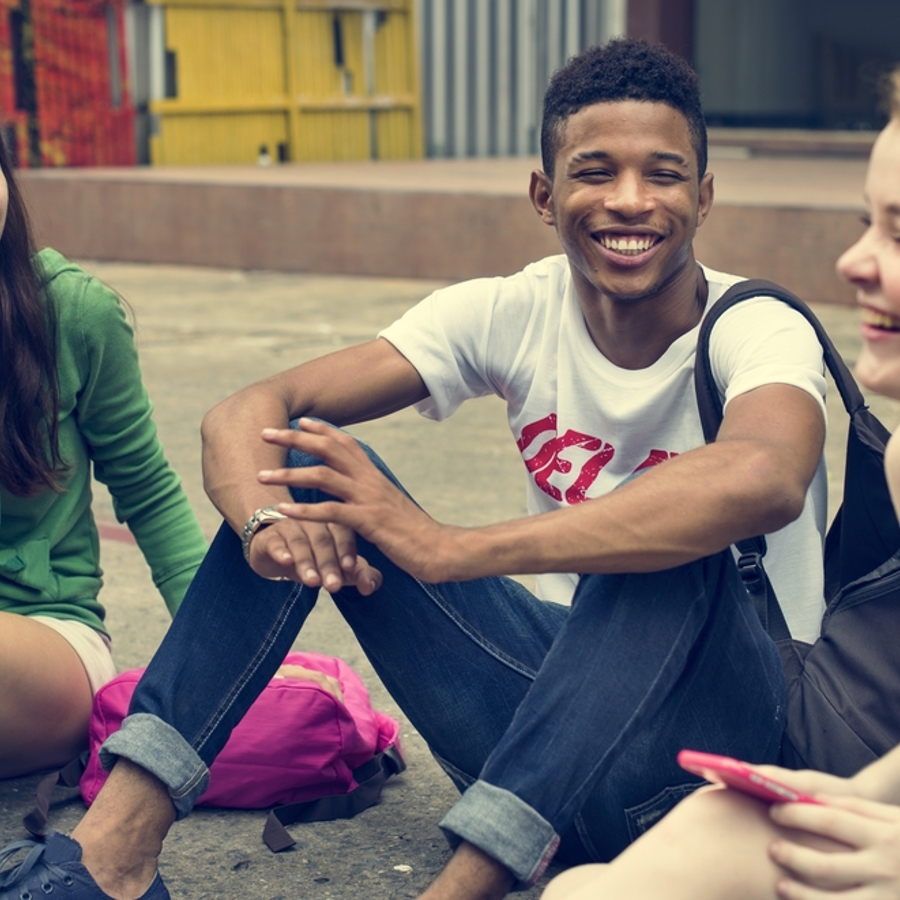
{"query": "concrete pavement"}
(202, 334)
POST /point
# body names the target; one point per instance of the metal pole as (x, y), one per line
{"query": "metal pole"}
(437, 64)
(502, 49)
(483, 98)
(525, 77)
(460, 85)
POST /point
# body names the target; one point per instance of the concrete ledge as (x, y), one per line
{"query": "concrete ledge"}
(795, 142)
(797, 248)
(787, 219)
(295, 229)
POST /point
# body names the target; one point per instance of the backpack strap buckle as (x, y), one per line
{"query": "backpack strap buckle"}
(750, 567)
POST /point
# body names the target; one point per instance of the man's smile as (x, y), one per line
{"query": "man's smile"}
(628, 244)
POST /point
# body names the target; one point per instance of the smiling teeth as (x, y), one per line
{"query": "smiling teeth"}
(880, 320)
(627, 245)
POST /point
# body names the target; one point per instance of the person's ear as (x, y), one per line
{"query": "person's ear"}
(541, 192)
(706, 198)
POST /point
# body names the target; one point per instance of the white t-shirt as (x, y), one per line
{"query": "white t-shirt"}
(583, 425)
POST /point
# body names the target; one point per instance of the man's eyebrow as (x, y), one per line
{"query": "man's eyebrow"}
(588, 155)
(669, 156)
(662, 155)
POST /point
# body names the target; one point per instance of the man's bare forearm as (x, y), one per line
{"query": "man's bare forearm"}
(691, 507)
(233, 452)
(753, 480)
(351, 385)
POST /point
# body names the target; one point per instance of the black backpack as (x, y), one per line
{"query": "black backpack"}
(843, 706)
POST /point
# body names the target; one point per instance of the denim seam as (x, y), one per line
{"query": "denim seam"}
(452, 770)
(190, 785)
(584, 835)
(260, 656)
(476, 636)
(627, 726)
(545, 861)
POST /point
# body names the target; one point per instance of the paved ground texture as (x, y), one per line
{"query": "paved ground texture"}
(202, 334)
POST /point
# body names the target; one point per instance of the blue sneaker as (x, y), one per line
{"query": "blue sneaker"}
(55, 864)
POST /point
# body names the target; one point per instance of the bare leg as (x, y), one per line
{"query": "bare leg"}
(121, 835)
(712, 846)
(470, 875)
(45, 707)
(45, 698)
(569, 883)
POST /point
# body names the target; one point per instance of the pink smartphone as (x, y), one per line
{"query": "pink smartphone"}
(740, 776)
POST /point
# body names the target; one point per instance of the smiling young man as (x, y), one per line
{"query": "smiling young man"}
(560, 723)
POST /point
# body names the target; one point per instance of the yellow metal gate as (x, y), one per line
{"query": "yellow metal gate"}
(289, 80)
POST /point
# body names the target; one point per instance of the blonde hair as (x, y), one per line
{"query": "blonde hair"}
(892, 93)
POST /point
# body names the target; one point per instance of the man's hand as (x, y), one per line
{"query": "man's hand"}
(869, 865)
(314, 555)
(372, 507)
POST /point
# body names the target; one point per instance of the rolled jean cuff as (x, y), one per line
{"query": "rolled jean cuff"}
(505, 827)
(157, 747)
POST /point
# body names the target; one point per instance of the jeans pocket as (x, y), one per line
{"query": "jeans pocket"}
(644, 816)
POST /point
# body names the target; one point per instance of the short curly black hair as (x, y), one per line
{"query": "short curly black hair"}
(622, 69)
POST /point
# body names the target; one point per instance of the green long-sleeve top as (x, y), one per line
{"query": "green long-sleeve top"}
(49, 546)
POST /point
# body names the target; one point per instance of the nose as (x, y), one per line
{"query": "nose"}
(629, 196)
(858, 264)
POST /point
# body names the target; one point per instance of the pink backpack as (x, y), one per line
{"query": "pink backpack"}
(298, 749)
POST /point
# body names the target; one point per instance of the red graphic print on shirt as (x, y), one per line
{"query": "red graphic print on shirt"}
(655, 458)
(548, 461)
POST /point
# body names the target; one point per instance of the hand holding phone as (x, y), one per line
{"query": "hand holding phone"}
(738, 775)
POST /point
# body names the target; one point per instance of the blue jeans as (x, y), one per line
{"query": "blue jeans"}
(560, 725)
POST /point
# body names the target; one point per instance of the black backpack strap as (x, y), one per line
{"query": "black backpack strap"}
(707, 391)
(762, 594)
(68, 776)
(752, 550)
(370, 778)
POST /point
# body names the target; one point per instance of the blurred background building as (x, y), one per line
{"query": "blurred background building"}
(64, 83)
(118, 82)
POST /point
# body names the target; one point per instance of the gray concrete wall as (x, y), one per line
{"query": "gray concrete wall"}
(785, 219)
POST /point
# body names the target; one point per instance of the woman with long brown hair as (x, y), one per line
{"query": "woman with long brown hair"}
(71, 402)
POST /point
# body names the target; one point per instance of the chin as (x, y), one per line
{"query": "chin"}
(630, 293)
(877, 375)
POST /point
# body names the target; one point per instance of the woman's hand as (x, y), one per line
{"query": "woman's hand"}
(867, 867)
(810, 781)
